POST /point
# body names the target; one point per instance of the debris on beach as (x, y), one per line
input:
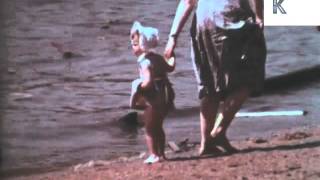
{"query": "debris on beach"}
(91, 164)
(257, 140)
(186, 145)
(182, 146)
(234, 165)
(296, 136)
(173, 146)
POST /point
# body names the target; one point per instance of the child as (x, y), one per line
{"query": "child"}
(152, 92)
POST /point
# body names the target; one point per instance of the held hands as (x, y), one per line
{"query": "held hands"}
(169, 50)
(169, 53)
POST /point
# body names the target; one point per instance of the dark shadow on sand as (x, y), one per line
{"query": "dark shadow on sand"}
(309, 145)
(283, 147)
(197, 157)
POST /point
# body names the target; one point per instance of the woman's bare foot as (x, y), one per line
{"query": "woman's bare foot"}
(163, 157)
(209, 148)
(222, 141)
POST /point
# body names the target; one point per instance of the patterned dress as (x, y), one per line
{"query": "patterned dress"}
(228, 48)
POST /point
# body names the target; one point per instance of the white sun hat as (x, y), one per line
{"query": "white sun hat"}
(149, 36)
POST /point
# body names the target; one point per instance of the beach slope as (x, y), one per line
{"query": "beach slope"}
(294, 154)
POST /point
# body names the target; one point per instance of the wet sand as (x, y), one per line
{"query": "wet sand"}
(67, 80)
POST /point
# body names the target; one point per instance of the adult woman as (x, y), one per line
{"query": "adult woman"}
(228, 52)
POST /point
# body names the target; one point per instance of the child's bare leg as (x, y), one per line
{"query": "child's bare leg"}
(159, 116)
(150, 126)
(162, 141)
(162, 133)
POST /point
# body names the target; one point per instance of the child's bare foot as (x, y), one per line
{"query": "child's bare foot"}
(152, 159)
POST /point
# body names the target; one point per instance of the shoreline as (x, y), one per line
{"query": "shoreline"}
(289, 154)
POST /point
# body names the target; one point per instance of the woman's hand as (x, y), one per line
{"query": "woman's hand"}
(183, 11)
(259, 22)
(169, 50)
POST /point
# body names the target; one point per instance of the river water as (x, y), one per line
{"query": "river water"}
(59, 111)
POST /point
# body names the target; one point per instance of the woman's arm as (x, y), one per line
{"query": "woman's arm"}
(258, 5)
(182, 13)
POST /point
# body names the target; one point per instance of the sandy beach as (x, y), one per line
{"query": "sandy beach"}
(65, 82)
(289, 155)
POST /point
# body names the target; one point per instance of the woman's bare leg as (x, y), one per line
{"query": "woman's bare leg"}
(208, 112)
(230, 107)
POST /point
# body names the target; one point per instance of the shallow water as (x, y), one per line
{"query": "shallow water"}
(71, 116)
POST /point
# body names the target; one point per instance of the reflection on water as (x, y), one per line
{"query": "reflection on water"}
(67, 108)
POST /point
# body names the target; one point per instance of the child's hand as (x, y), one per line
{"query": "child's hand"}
(135, 85)
(134, 90)
(171, 62)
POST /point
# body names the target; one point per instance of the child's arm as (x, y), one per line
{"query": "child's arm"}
(141, 84)
(134, 97)
(146, 74)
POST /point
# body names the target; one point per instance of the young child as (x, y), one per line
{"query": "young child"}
(152, 92)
